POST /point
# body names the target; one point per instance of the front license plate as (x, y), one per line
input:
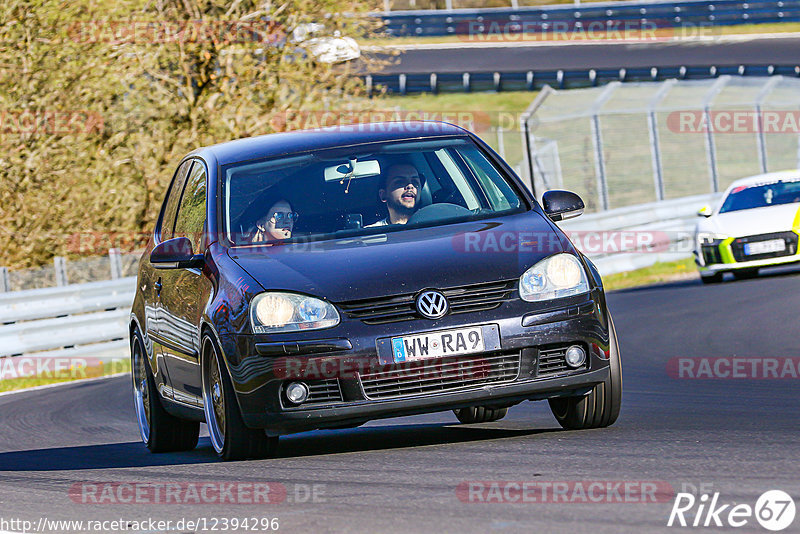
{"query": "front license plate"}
(444, 343)
(764, 247)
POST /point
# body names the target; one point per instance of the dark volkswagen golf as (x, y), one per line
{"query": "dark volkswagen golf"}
(322, 279)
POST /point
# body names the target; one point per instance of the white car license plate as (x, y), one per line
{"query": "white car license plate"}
(438, 344)
(764, 247)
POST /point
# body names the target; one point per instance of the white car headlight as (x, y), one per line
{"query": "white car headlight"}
(275, 312)
(561, 275)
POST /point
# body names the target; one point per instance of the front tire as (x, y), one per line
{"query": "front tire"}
(601, 406)
(230, 437)
(480, 414)
(160, 431)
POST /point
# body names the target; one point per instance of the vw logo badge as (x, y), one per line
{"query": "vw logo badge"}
(432, 304)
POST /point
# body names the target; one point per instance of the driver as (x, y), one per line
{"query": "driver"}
(399, 189)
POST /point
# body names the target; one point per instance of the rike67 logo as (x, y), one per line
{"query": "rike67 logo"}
(774, 510)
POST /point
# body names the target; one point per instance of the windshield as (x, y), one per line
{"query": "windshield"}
(362, 190)
(761, 196)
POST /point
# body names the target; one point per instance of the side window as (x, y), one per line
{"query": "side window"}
(168, 222)
(192, 212)
(501, 196)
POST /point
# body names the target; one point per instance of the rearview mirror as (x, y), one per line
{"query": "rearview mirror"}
(352, 170)
(175, 253)
(562, 205)
(705, 211)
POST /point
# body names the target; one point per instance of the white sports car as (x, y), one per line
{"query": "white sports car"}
(756, 224)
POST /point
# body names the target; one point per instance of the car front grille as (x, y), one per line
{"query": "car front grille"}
(440, 375)
(554, 362)
(790, 238)
(462, 299)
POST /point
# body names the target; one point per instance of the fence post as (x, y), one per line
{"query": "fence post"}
(5, 284)
(501, 146)
(761, 140)
(711, 148)
(60, 265)
(597, 141)
(115, 261)
(655, 144)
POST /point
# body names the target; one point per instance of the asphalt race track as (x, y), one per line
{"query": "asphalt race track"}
(469, 57)
(733, 436)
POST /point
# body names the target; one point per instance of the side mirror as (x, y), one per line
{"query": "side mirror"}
(562, 205)
(705, 211)
(175, 253)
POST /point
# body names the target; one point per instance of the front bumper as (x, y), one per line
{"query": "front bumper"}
(259, 379)
(727, 255)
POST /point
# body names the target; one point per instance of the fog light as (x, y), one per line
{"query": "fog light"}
(575, 356)
(297, 392)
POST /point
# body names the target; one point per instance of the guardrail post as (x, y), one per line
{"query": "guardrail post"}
(5, 284)
(115, 261)
(434, 83)
(466, 82)
(368, 82)
(401, 79)
(60, 265)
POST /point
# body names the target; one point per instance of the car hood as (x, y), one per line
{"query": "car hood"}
(405, 261)
(754, 221)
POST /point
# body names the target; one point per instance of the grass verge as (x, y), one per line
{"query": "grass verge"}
(655, 274)
(10, 381)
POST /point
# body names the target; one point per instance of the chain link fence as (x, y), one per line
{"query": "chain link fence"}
(627, 144)
(66, 272)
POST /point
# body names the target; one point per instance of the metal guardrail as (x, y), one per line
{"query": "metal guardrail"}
(422, 23)
(77, 320)
(530, 80)
(669, 224)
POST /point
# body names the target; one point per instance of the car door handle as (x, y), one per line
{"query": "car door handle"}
(158, 287)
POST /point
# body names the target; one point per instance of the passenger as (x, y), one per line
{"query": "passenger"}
(277, 223)
(399, 188)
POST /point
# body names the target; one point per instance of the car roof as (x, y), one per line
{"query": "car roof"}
(766, 178)
(278, 144)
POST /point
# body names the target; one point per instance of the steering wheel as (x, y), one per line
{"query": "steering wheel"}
(438, 211)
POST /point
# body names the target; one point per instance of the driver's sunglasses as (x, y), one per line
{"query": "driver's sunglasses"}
(279, 216)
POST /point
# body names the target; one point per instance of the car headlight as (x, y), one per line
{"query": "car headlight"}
(709, 238)
(561, 275)
(288, 312)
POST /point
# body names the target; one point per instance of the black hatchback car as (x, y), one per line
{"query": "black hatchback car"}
(325, 278)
